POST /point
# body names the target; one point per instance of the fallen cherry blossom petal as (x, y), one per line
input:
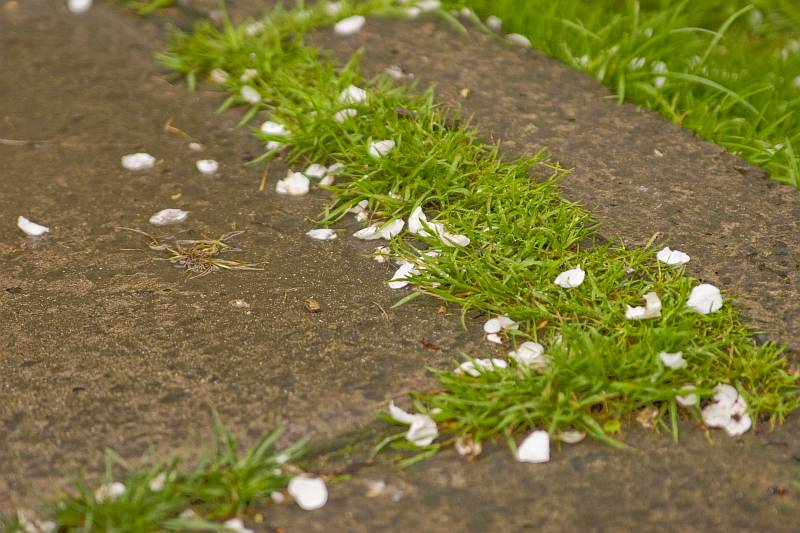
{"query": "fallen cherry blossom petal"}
(379, 149)
(422, 430)
(138, 161)
(429, 5)
(294, 184)
(519, 39)
(248, 74)
(322, 234)
(687, 399)
(498, 324)
(209, 167)
(30, 523)
(652, 308)
(494, 338)
(494, 22)
(399, 414)
(31, 228)
(250, 95)
(333, 8)
(402, 274)
(345, 114)
(705, 299)
(316, 171)
(236, 526)
(728, 410)
(79, 6)
(672, 360)
(466, 446)
(476, 366)
(274, 128)
(350, 25)
(569, 279)
(353, 95)
(672, 257)
(529, 354)
(169, 216)
(309, 493)
(219, 76)
(535, 448)
(327, 180)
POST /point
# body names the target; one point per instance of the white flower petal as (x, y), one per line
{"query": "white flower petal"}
(687, 399)
(705, 299)
(139, 161)
(370, 233)
(449, 239)
(422, 431)
(236, 526)
(316, 171)
(530, 354)
(725, 394)
(327, 180)
(248, 74)
(219, 76)
(353, 95)
(378, 149)
(392, 229)
(494, 338)
(250, 95)
(429, 5)
(350, 25)
(415, 222)
(345, 114)
(652, 308)
(498, 324)
(333, 8)
(322, 234)
(399, 414)
(31, 228)
(570, 279)
(672, 360)
(169, 216)
(275, 129)
(476, 366)
(494, 22)
(309, 493)
(294, 184)
(79, 6)
(157, 483)
(672, 257)
(402, 274)
(209, 167)
(521, 40)
(738, 425)
(535, 448)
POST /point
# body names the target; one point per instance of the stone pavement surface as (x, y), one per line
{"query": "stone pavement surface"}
(103, 346)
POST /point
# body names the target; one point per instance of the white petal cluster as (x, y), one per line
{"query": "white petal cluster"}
(728, 410)
(353, 95)
(494, 326)
(380, 230)
(418, 222)
(350, 25)
(250, 95)
(138, 161)
(108, 492)
(379, 149)
(422, 429)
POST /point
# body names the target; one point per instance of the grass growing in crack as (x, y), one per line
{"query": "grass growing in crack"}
(602, 368)
(224, 483)
(198, 256)
(726, 69)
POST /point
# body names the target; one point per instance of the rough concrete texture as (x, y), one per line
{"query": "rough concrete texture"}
(106, 347)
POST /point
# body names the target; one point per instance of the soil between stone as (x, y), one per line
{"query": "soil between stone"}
(104, 347)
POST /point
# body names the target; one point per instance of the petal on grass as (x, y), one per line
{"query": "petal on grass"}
(535, 448)
(353, 95)
(31, 228)
(309, 493)
(316, 171)
(494, 22)
(379, 149)
(705, 299)
(401, 276)
(519, 39)
(651, 309)
(250, 94)
(345, 114)
(570, 279)
(108, 492)
(529, 354)
(422, 431)
(687, 399)
(273, 128)
(498, 324)
(672, 257)
(672, 360)
(475, 367)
